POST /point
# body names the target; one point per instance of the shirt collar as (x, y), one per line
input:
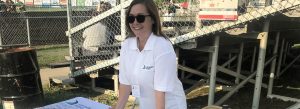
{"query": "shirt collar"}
(149, 44)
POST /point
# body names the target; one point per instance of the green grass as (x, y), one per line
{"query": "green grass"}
(51, 54)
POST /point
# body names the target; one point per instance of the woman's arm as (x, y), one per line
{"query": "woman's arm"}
(160, 100)
(124, 91)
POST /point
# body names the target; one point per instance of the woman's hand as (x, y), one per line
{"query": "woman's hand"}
(124, 91)
(113, 107)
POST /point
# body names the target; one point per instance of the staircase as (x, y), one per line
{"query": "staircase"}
(255, 14)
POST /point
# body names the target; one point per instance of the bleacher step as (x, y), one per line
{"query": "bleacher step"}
(59, 64)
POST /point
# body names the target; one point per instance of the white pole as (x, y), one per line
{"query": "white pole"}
(212, 83)
(246, 79)
(123, 22)
(260, 65)
(69, 35)
(28, 32)
(272, 70)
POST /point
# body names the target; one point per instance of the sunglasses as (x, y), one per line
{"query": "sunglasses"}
(139, 18)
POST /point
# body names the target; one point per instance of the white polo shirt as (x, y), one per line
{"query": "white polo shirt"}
(153, 68)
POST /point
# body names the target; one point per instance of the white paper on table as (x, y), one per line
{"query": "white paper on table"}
(76, 103)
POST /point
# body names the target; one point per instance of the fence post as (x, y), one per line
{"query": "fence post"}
(213, 72)
(28, 31)
(260, 65)
(69, 16)
(123, 22)
(273, 66)
(1, 37)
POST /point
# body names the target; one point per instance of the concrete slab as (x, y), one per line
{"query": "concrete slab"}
(48, 72)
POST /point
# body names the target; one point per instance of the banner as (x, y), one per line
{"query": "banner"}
(63, 2)
(218, 9)
(38, 2)
(28, 2)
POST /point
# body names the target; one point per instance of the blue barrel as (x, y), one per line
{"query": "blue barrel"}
(20, 82)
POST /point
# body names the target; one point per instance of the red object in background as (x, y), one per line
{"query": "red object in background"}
(63, 2)
(28, 2)
(184, 4)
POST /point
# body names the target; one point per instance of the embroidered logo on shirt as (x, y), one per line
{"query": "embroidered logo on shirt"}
(147, 67)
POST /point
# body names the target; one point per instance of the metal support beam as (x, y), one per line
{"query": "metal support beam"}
(229, 61)
(212, 81)
(101, 65)
(289, 65)
(239, 63)
(285, 52)
(280, 58)
(272, 70)
(289, 48)
(260, 65)
(229, 94)
(232, 73)
(198, 68)
(209, 63)
(201, 65)
(183, 72)
(229, 56)
(69, 35)
(193, 71)
(253, 59)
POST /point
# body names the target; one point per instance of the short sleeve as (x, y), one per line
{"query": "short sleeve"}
(123, 78)
(165, 72)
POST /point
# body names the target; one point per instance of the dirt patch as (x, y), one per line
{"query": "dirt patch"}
(47, 72)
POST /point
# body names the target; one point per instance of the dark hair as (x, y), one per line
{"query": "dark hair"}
(153, 11)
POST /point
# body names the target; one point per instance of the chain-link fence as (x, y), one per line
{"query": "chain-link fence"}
(183, 21)
(32, 25)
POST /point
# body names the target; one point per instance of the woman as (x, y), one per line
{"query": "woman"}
(148, 65)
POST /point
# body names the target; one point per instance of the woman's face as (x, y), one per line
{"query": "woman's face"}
(140, 21)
